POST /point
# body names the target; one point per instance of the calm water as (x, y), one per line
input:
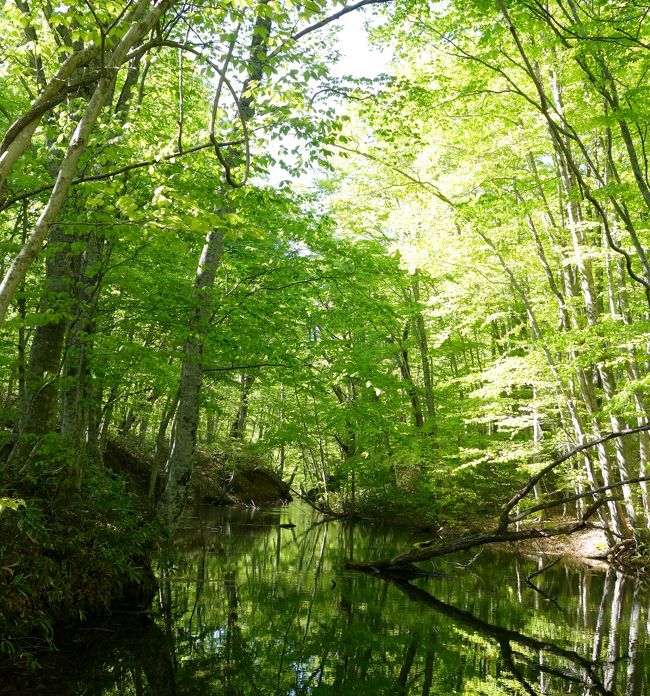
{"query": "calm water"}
(256, 609)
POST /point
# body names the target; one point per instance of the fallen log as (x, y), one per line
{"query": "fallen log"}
(503, 533)
(443, 548)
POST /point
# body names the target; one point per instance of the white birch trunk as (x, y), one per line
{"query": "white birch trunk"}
(76, 147)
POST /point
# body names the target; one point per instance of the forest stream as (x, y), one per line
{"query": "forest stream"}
(256, 606)
(388, 256)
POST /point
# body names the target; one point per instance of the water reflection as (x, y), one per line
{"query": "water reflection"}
(537, 661)
(127, 653)
(260, 608)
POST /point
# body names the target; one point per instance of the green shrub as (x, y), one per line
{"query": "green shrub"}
(66, 556)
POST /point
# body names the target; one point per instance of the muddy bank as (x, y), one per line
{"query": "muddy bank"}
(588, 546)
(217, 479)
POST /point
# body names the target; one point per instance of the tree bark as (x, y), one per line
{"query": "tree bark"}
(21, 263)
(180, 462)
(403, 363)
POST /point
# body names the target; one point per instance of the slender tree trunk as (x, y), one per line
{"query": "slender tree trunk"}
(423, 343)
(210, 428)
(403, 363)
(75, 395)
(107, 418)
(161, 451)
(180, 462)
(238, 427)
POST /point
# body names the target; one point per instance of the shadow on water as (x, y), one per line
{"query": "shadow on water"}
(123, 654)
(261, 605)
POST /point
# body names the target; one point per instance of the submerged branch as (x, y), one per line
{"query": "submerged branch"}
(501, 534)
(504, 638)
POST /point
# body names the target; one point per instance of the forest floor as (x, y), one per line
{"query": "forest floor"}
(589, 544)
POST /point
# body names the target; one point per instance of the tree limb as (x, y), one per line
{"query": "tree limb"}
(532, 482)
(328, 20)
(578, 496)
(121, 170)
(239, 368)
(501, 534)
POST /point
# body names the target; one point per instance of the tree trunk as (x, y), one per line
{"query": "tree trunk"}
(139, 27)
(180, 462)
(161, 452)
(44, 365)
(423, 344)
(403, 363)
(238, 427)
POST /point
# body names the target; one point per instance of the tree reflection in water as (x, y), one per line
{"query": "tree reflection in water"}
(577, 669)
(304, 627)
(255, 609)
(127, 653)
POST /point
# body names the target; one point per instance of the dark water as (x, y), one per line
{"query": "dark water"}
(256, 609)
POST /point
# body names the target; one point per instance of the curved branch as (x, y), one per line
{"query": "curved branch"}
(410, 177)
(532, 482)
(572, 498)
(433, 548)
(223, 80)
(121, 170)
(49, 95)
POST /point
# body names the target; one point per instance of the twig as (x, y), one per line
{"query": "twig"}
(541, 570)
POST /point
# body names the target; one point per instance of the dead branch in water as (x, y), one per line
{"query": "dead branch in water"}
(502, 533)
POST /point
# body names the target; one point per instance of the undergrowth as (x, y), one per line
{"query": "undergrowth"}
(63, 558)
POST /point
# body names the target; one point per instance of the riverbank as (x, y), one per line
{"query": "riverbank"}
(589, 544)
(68, 555)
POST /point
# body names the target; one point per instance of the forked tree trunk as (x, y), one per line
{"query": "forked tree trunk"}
(160, 454)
